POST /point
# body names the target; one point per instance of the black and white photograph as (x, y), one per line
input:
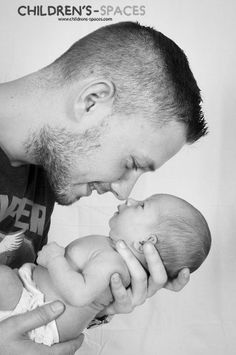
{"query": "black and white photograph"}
(117, 177)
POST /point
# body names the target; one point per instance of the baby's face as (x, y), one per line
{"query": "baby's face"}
(135, 220)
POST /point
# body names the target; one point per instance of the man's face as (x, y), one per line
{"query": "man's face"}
(112, 158)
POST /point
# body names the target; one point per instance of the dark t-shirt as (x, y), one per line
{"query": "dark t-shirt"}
(26, 203)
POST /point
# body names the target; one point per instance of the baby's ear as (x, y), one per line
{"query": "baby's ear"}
(138, 246)
(152, 238)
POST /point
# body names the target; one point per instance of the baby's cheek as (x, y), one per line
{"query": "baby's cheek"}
(125, 227)
(141, 232)
(117, 232)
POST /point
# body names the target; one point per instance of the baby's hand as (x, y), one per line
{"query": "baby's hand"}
(49, 253)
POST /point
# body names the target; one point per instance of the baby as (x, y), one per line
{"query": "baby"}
(79, 274)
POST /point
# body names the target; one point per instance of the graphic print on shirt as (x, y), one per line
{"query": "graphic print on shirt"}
(25, 216)
(10, 242)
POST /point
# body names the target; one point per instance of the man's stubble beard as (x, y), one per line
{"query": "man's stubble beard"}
(58, 150)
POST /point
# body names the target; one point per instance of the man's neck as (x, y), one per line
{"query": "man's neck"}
(25, 107)
(13, 120)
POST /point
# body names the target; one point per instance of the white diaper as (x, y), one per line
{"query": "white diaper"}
(32, 298)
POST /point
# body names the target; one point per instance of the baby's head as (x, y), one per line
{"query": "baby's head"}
(177, 229)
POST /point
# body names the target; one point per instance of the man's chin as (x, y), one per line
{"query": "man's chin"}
(63, 201)
(67, 199)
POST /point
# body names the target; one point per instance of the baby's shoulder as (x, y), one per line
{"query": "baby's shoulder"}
(83, 250)
(101, 246)
(90, 242)
(108, 261)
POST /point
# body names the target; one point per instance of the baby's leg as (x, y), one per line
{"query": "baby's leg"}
(10, 288)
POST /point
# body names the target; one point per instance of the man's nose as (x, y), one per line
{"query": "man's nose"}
(131, 202)
(123, 187)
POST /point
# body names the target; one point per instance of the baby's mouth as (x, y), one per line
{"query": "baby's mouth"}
(116, 213)
(122, 206)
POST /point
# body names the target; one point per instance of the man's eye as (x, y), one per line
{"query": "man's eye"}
(134, 165)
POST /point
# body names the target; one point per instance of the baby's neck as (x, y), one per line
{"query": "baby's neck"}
(139, 255)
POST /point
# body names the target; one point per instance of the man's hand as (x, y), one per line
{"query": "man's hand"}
(14, 340)
(141, 287)
(49, 252)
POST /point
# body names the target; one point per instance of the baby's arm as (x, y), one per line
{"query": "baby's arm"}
(76, 289)
(10, 288)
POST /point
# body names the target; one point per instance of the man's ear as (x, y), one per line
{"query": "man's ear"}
(96, 94)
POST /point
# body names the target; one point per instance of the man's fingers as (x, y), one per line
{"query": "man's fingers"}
(137, 273)
(178, 283)
(69, 347)
(25, 322)
(121, 296)
(119, 292)
(158, 276)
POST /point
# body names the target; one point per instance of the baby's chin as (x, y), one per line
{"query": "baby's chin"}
(113, 221)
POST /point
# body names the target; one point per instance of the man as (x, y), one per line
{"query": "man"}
(120, 102)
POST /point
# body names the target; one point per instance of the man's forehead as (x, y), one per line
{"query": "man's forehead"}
(150, 159)
(161, 145)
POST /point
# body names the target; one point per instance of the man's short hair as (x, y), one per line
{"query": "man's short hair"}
(151, 74)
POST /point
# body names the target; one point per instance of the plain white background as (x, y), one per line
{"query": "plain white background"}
(202, 318)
